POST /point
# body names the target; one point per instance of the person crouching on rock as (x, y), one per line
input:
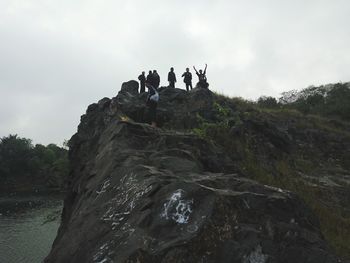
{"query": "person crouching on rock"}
(152, 103)
(202, 77)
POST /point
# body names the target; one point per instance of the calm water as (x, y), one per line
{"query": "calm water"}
(28, 226)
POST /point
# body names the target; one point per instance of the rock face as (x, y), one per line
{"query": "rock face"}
(140, 194)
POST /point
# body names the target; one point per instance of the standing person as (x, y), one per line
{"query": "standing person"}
(202, 77)
(150, 78)
(152, 103)
(156, 79)
(187, 79)
(142, 79)
(172, 78)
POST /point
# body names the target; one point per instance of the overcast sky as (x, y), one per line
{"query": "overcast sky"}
(59, 56)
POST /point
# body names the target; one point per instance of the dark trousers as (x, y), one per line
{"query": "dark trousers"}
(203, 84)
(172, 84)
(188, 84)
(152, 110)
(142, 88)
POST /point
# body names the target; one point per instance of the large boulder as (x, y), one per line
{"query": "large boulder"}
(140, 194)
(131, 86)
(177, 108)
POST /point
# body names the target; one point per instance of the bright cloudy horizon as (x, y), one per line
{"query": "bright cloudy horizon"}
(57, 57)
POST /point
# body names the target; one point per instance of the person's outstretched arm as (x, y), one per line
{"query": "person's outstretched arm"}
(205, 69)
(195, 69)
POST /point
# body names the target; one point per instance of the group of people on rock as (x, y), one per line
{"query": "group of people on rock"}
(152, 81)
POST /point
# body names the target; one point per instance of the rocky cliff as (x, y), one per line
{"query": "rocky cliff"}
(171, 194)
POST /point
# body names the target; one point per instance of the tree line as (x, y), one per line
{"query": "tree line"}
(331, 100)
(20, 160)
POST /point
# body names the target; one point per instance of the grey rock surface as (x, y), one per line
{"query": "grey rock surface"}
(143, 194)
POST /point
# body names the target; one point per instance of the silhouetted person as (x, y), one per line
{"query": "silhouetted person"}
(152, 103)
(156, 79)
(150, 78)
(142, 79)
(187, 79)
(202, 77)
(171, 78)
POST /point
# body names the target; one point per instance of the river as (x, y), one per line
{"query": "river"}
(28, 226)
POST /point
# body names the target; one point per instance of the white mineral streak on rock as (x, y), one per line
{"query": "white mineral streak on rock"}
(256, 256)
(128, 191)
(102, 255)
(192, 228)
(177, 209)
(246, 203)
(104, 187)
(277, 189)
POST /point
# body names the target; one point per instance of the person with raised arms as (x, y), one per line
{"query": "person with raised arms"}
(202, 77)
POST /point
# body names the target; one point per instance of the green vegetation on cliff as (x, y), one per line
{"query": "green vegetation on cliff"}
(25, 167)
(295, 146)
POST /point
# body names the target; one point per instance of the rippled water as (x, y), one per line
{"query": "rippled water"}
(28, 226)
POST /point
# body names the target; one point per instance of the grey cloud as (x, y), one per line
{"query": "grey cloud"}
(58, 56)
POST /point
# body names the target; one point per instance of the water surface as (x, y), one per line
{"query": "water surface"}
(28, 226)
